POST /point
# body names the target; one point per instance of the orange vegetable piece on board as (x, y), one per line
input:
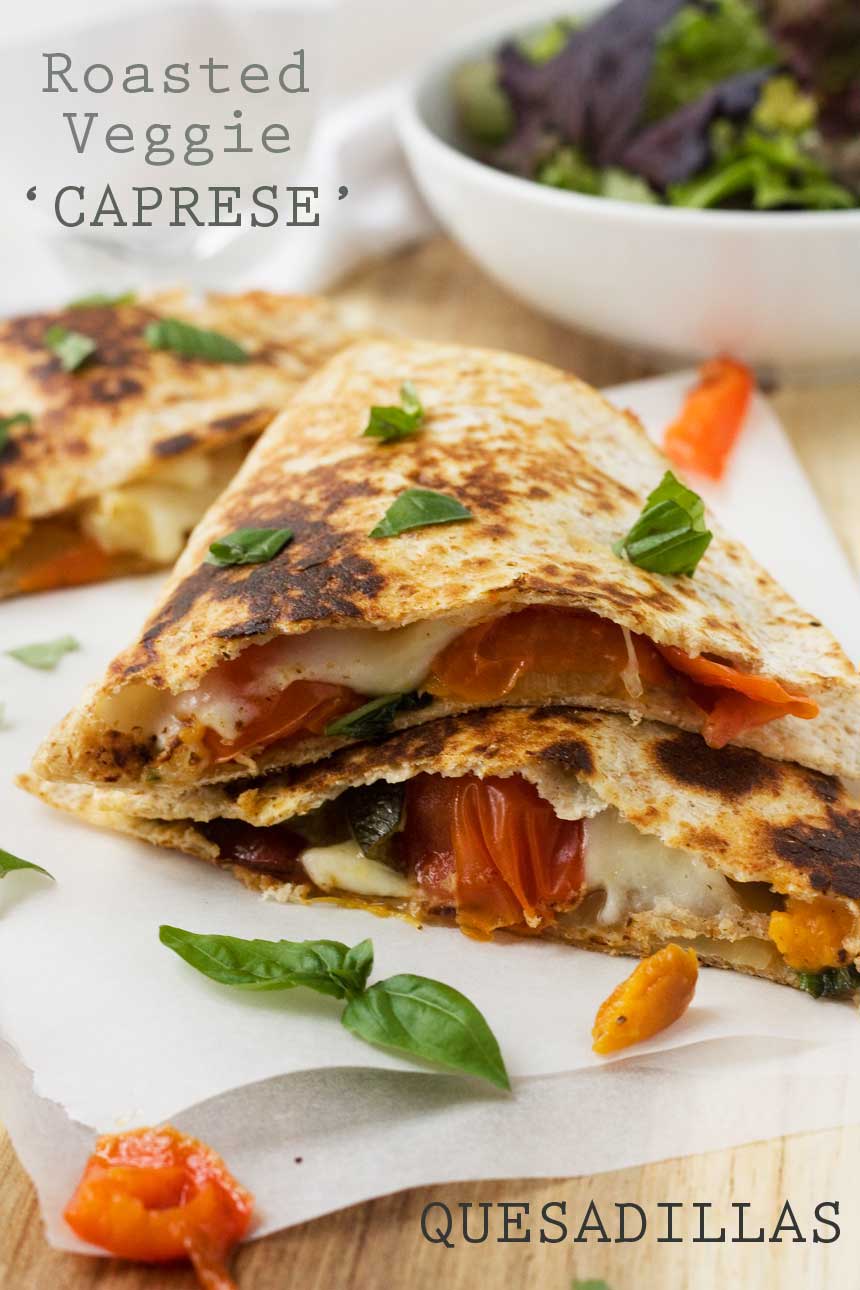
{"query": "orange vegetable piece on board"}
(655, 994)
(809, 933)
(711, 418)
(155, 1195)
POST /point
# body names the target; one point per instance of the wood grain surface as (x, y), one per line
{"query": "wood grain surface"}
(433, 291)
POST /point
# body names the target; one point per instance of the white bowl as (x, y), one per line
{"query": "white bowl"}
(779, 289)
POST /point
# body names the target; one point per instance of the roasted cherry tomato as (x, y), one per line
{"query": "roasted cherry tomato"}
(711, 419)
(155, 1195)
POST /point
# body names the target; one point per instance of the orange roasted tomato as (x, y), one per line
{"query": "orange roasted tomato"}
(493, 849)
(704, 434)
(84, 562)
(155, 1195)
(485, 663)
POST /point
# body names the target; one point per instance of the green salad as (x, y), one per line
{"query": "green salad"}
(723, 104)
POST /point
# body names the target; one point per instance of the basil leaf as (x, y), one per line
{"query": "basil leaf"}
(45, 655)
(391, 423)
(266, 965)
(375, 718)
(194, 342)
(357, 967)
(670, 535)
(429, 1020)
(72, 348)
(248, 546)
(831, 983)
(6, 424)
(416, 508)
(99, 299)
(374, 813)
(9, 863)
(589, 1285)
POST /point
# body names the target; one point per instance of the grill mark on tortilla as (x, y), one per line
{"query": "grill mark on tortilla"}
(571, 754)
(8, 504)
(729, 772)
(254, 419)
(830, 854)
(176, 443)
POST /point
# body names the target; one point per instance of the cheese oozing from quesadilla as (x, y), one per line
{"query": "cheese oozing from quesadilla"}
(297, 685)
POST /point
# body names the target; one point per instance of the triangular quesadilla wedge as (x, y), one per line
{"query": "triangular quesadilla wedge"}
(120, 422)
(555, 822)
(247, 667)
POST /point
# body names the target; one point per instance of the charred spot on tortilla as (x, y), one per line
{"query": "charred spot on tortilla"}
(254, 419)
(570, 754)
(177, 443)
(9, 503)
(728, 772)
(830, 854)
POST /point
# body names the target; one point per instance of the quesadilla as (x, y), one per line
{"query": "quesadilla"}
(357, 624)
(558, 823)
(121, 421)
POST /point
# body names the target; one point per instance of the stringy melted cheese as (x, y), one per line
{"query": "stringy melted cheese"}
(637, 872)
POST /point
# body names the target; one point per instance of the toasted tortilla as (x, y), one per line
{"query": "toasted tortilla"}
(131, 412)
(553, 475)
(765, 826)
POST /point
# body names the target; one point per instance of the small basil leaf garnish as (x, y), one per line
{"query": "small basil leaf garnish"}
(9, 863)
(429, 1020)
(6, 424)
(831, 983)
(670, 535)
(392, 423)
(72, 348)
(194, 342)
(416, 508)
(45, 655)
(100, 300)
(263, 965)
(411, 1013)
(375, 718)
(374, 813)
(248, 546)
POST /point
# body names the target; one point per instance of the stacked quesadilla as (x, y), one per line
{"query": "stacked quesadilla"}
(407, 661)
(122, 420)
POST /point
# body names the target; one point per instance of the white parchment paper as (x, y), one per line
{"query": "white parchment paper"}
(105, 1028)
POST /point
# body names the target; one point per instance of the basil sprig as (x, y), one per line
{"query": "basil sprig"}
(412, 1014)
(45, 655)
(670, 535)
(100, 300)
(72, 348)
(390, 423)
(375, 717)
(415, 509)
(248, 546)
(374, 813)
(10, 863)
(194, 342)
(6, 424)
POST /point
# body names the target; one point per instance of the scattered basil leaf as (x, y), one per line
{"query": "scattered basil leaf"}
(100, 299)
(45, 655)
(831, 983)
(9, 863)
(357, 967)
(589, 1285)
(263, 965)
(670, 535)
(374, 813)
(72, 348)
(375, 718)
(415, 509)
(392, 423)
(6, 424)
(430, 1020)
(194, 342)
(248, 546)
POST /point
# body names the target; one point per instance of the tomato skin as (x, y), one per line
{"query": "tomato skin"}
(85, 562)
(302, 707)
(485, 662)
(710, 421)
(155, 1195)
(493, 849)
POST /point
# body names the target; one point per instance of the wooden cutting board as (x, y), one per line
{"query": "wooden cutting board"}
(434, 292)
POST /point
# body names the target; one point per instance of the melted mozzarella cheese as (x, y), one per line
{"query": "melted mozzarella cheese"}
(152, 517)
(344, 867)
(637, 871)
